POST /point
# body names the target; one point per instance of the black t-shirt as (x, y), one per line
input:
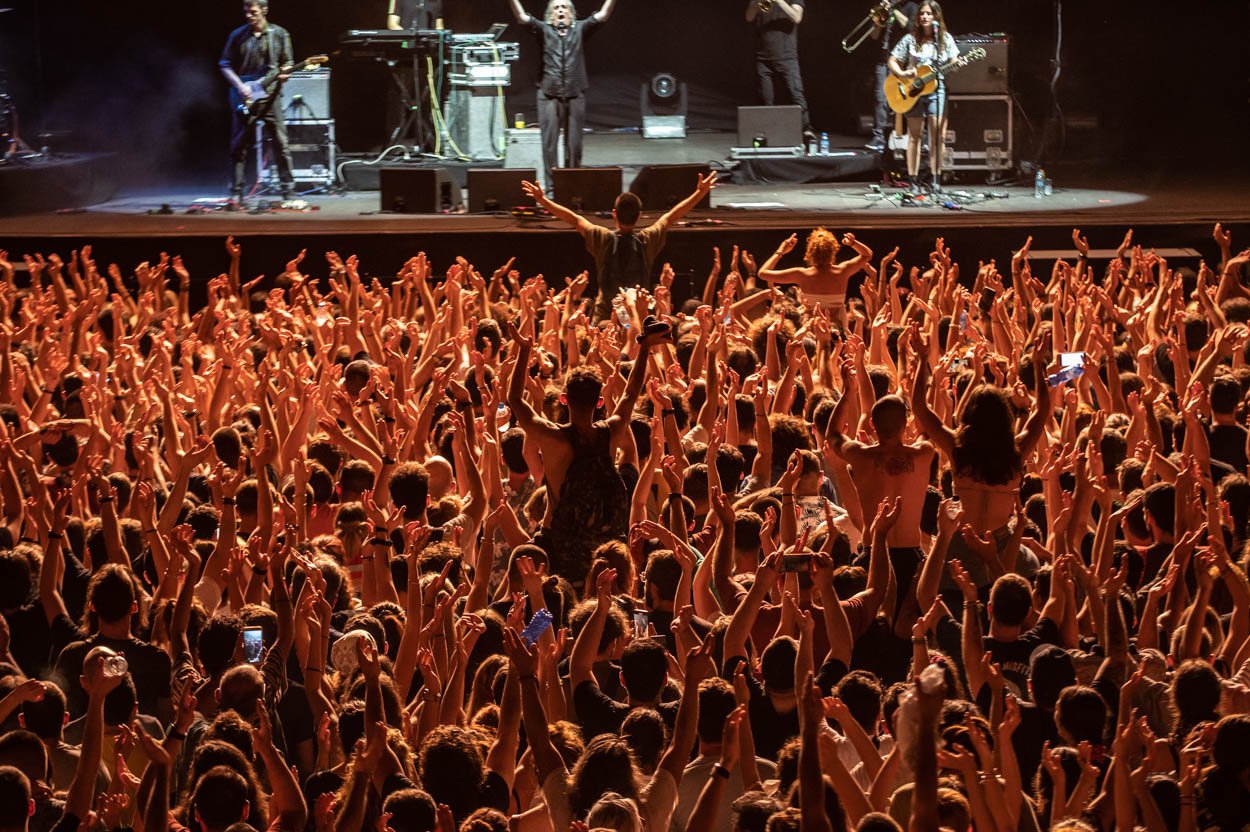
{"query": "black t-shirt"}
(251, 55)
(418, 14)
(599, 713)
(1228, 445)
(770, 728)
(1036, 727)
(149, 668)
(883, 653)
(33, 641)
(564, 62)
(1013, 656)
(894, 30)
(1154, 558)
(776, 35)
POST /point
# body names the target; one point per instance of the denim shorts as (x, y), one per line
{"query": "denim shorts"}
(931, 105)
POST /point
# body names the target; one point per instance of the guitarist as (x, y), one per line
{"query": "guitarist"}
(252, 51)
(928, 44)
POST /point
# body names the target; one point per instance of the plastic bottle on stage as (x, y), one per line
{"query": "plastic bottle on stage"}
(824, 144)
(1065, 375)
(1039, 184)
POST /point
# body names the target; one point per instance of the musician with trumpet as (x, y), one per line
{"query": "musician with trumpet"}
(928, 44)
(776, 25)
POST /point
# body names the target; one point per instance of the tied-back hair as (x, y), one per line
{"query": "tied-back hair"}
(939, 25)
(985, 444)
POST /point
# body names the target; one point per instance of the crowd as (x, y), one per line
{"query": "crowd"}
(464, 553)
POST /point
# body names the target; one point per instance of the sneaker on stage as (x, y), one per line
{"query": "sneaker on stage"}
(876, 146)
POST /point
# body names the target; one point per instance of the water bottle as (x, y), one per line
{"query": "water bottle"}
(537, 626)
(114, 666)
(1065, 375)
(824, 144)
(622, 314)
(1039, 184)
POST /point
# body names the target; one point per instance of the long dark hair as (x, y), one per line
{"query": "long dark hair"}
(939, 24)
(985, 444)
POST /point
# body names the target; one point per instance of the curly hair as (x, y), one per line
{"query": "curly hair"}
(822, 248)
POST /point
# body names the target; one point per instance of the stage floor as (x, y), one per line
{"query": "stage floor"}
(1091, 197)
(1168, 208)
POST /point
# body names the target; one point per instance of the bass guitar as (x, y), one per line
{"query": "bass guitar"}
(902, 93)
(264, 88)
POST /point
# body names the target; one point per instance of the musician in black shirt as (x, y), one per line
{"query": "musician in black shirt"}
(896, 25)
(413, 14)
(252, 51)
(562, 88)
(777, 52)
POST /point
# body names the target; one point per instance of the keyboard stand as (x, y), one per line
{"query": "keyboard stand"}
(408, 84)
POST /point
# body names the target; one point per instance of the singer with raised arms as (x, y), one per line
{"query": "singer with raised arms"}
(562, 86)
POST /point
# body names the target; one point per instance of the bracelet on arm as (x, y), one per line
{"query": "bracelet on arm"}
(227, 501)
(382, 541)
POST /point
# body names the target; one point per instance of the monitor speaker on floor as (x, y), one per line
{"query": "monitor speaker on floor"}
(586, 189)
(418, 190)
(498, 189)
(660, 187)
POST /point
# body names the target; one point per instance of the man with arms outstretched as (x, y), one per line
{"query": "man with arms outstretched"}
(622, 257)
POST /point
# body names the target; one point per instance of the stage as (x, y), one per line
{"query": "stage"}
(978, 220)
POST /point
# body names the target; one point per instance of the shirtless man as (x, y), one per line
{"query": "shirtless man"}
(885, 471)
(577, 457)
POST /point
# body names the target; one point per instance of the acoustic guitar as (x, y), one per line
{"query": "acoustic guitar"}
(902, 93)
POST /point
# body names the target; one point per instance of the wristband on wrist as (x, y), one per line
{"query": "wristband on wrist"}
(104, 499)
(381, 541)
(386, 460)
(720, 771)
(174, 733)
(227, 501)
(55, 536)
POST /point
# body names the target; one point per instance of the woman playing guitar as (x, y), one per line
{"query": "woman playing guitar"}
(928, 44)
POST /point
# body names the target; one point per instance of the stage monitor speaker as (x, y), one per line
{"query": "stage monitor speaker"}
(987, 76)
(586, 189)
(417, 190)
(660, 187)
(497, 189)
(770, 126)
(306, 96)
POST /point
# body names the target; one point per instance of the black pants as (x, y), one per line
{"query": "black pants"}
(554, 115)
(243, 139)
(883, 116)
(786, 71)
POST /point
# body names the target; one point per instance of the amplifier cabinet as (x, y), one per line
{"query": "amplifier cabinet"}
(979, 132)
(987, 76)
(306, 96)
(312, 153)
